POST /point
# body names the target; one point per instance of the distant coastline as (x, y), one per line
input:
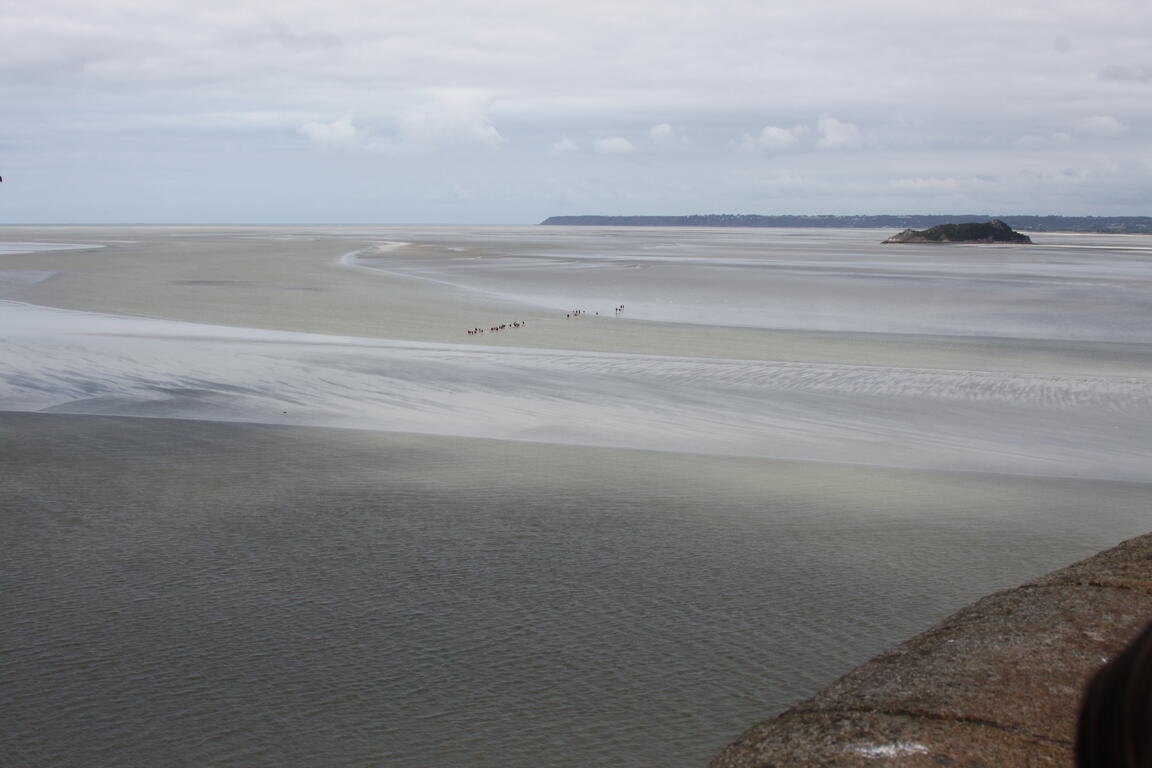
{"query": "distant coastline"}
(1101, 224)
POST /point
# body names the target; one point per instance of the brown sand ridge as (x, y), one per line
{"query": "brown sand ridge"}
(995, 685)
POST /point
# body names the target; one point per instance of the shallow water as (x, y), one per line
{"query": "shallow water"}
(186, 593)
(230, 582)
(1090, 288)
(1024, 422)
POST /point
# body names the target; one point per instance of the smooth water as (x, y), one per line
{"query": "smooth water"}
(185, 593)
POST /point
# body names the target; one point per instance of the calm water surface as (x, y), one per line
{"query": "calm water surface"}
(185, 593)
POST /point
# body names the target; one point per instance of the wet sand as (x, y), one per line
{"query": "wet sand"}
(234, 581)
(290, 279)
(349, 330)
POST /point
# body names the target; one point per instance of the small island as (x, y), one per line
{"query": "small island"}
(995, 231)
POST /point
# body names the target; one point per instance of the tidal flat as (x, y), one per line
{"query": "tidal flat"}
(266, 502)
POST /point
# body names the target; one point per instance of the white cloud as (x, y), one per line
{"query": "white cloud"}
(564, 146)
(771, 138)
(615, 145)
(665, 136)
(340, 133)
(1101, 126)
(451, 117)
(447, 119)
(836, 134)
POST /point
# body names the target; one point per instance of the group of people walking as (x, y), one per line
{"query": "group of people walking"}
(584, 313)
(520, 323)
(496, 328)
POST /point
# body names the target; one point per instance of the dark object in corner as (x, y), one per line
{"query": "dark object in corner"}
(1117, 709)
(995, 231)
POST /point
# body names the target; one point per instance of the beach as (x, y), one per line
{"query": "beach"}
(269, 500)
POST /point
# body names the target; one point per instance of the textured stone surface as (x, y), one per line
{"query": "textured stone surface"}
(995, 684)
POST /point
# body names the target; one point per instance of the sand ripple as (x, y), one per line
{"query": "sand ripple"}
(1080, 425)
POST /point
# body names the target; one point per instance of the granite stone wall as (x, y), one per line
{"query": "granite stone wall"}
(995, 685)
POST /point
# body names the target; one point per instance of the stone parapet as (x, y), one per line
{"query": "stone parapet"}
(995, 685)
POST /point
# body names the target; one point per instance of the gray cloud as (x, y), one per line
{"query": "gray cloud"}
(1102, 126)
(1120, 74)
(449, 119)
(771, 138)
(468, 94)
(836, 134)
(664, 136)
(563, 146)
(339, 133)
(931, 183)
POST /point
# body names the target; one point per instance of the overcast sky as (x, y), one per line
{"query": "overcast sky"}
(505, 112)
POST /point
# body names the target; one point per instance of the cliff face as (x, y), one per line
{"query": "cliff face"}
(995, 231)
(995, 685)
